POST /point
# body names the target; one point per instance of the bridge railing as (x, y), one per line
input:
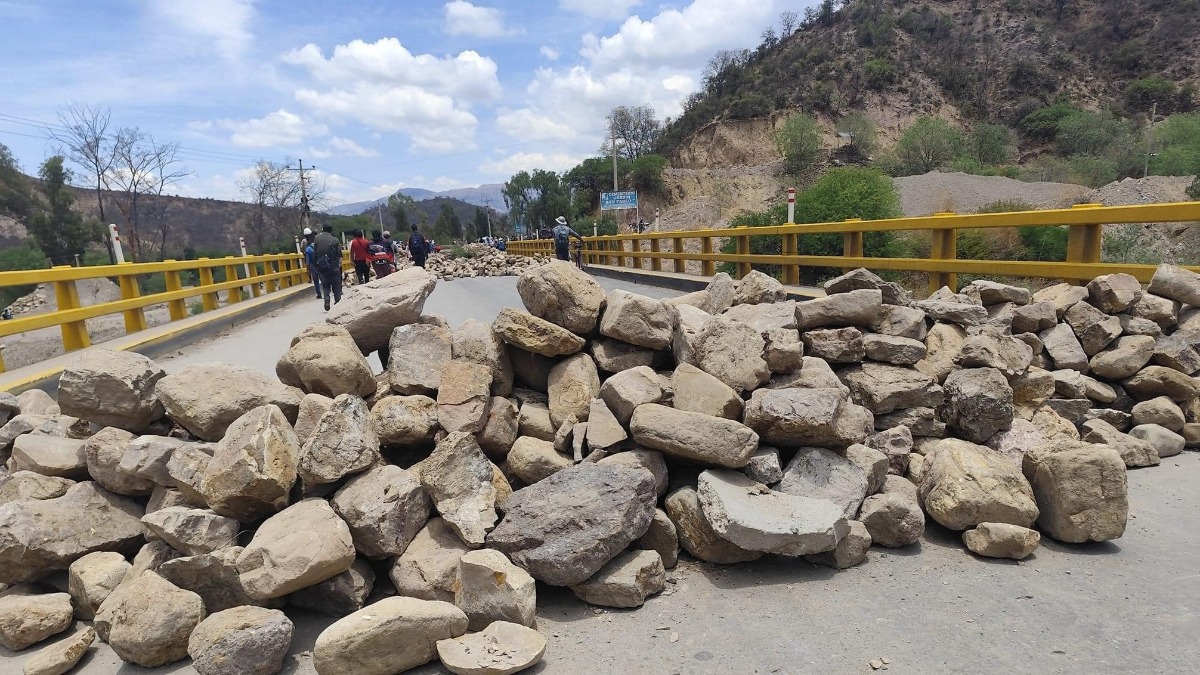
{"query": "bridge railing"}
(246, 276)
(1085, 224)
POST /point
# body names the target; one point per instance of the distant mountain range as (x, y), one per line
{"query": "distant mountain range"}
(483, 195)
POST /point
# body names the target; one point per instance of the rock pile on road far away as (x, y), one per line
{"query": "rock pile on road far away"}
(478, 260)
(580, 442)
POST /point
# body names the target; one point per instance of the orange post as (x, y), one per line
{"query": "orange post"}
(655, 262)
(231, 274)
(743, 248)
(945, 247)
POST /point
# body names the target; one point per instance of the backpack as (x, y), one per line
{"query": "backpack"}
(328, 257)
(562, 236)
(416, 243)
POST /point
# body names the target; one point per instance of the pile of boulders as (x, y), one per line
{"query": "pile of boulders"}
(479, 260)
(582, 442)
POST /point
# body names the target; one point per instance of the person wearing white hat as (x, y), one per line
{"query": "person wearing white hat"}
(562, 233)
(310, 260)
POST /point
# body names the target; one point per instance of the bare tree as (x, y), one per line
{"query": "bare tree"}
(787, 22)
(274, 189)
(635, 128)
(83, 132)
(142, 167)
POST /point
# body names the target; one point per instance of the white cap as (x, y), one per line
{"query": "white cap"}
(560, 220)
(308, 230)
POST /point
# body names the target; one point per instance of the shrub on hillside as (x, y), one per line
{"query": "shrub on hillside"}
(799, 141)
(1042, 124)
(927, 145)
(1141, 94)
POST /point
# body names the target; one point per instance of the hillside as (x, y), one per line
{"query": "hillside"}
(482, 195)
(963, 60)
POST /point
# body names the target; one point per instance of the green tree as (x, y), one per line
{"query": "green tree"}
(448, 223)
(799, 141)
(15, 200)
(481, 223)
(861, 130)
(1042, 124)
(1141, 94)
(398, 206)
(535, 199)
(589, 178)
(1178, 143)
(1091, 133)
(59, 231)
(646, 174)
(926, 145)
(26, 256)
(990, 144)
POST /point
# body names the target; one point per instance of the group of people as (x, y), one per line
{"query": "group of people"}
(323, 255)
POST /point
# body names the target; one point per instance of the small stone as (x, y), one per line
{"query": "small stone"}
(850, 551)
(61, 657)
(1002, 540)
(502, 648)
(626, 581)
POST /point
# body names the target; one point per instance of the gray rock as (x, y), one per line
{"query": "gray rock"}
(421, 351)
(532, 334)
(783, 352)
(1010, 355)
(212, 576)
(764, 466)
(500, 430)
(458, 478)
(636, 319)
(697, 536)
(922, 421)
(943, 344)
(750, 515)
(29, 485)
(958, 313)
(883, 388)
(1153, 381)
(1174, 351)
(640, 458)
(1165, 442)
(758, 288)
(302, 545)
(604, 432)
(344, 443)
(323, 359)
(893, 294)
(339, 595)
(818, 473)
(49, 456)
(563, 529)
(312, 408)
(688, 322)
(241, 641)
(979, 403)
(899, 351)
(562, 295)
(873, 463)
(206, 398)
(1034, 317)
(1001, 540)
(1162, 311)
(1123, 357)
(900, 321)
(500, 649)
(892, 519)
(897, 444)
(38, 537)
(628, 389)
(384, 508)
(991, 292)
(371, 311)
(850, 551)
(1134, 451)
(662, 538)
(1112, 293)
(405, 420)
(192, 531)
(852, 308)
(765, 317)
(1094, 328)
(111, 388)
(626, 581)
(1062, 346)
(836, 345)
(695, 436)
(614, 356)
(475, 341)
(254, 467)
(732, 353)
(697, 391)
(1175, 283)
(794, 418)
(1061, 296)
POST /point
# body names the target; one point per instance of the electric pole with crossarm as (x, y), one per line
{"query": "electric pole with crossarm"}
(305, 211)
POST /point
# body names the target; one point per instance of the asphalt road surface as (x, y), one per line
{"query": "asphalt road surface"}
(1126, 606)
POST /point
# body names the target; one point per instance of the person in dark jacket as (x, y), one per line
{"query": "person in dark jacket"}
(327, 252)
(418, 247)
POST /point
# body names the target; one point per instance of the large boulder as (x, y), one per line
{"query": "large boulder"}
(491, 588)
(967, 484)
(304, 544)
(758, 288)
(563, 529)
(476, 342)
(405, 420)
(384, 507)
(892, 519)
(428, 568)
(535, 335)
(1153, 381)
(572, 385)
(1123, 357)
(151, 624)
(731, 352)
(532, 459)
(92, 578)
(979, 403)
(818, 473)
(254, 467)
(1081, 490)
(835, 345)
(26, 620)
(697, 391)
(458, 478)
(241, 641)
(851, 308)
(637, 319)
(206, 398)
(1134, 451)
(893, 293)
(112, 388)
(563, 295)
(340, 594)
(344, 443)
(883, 388)
(371, 311)
(1175, 283)
(1112, 293)
(49, 456)
(192, 531)
(793, 418)
(752, 516)
(104, 452)
(417, 353)
(29, 485)
(391, 636)
(464, 396)
(628, 389)
(694, 436)
(38, 537)
(323, 359)
(212, 576)
(696, 534)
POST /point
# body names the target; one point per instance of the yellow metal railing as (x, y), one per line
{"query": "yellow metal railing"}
(259, 274)
(1085, 223)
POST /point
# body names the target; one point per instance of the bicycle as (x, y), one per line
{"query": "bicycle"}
(577, 254)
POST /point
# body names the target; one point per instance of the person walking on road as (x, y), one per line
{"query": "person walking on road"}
(359, 255)
(562, 234)
(418, 247)
(311, 260)
(327, 252)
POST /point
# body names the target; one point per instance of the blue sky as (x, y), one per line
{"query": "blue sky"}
(379, 95)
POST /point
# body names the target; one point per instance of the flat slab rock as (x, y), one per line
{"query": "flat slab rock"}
(564, 528)
(754, 517)
(500, 649)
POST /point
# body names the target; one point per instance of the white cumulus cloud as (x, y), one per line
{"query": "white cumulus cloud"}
(463, 18)
(549, 53)
(610, 9)
(279, 129)
(528, 161)
(224, 22)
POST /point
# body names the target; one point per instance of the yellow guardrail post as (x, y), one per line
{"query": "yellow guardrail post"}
(945, 247)
(231, 274)
(255, 285)
(176, 308)
(74, 333)
(1084, 241)
(3, 368)
(135, 319)
(285, 265)
(655, 262)
(743, 248)
(678, 264)
(852, 243)
(791, 273)
(707, 267)
(208, 300)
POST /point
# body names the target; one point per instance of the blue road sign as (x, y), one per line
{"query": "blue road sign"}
(611, 201)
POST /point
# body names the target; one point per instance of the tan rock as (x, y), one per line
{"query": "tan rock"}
(572, 385)
(241, 641)
(694, 436)
(967, 484)
(405, 420)
(532, 334)
(428, 568)
(458, 478)
(254, 467)
(61, 657)
(302, 545)
(152, 622)
(490, 588)
(502, 648)
(371, 311)
(421, 351)
(1002, 540)
(323, 359)
(206, 398)
(464, 396)
(111, 388)
(636, 319)
(312, 408)
(1081, 491)
(26, 620)
(390, 636)
(563, 295)
(697, 536)
(626, 581)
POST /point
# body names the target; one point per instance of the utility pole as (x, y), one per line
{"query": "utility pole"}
(305, 211)
(614, 152)
(379, 212)
(487, 209)
(1150, 139)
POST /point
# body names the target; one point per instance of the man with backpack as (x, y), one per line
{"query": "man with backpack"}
(418, 247)
(562, 234)
(327, 252)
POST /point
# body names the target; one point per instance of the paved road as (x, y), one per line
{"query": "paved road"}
(1131, 605)
(260, 344)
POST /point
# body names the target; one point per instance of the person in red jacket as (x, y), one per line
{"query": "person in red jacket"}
(359, 255)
